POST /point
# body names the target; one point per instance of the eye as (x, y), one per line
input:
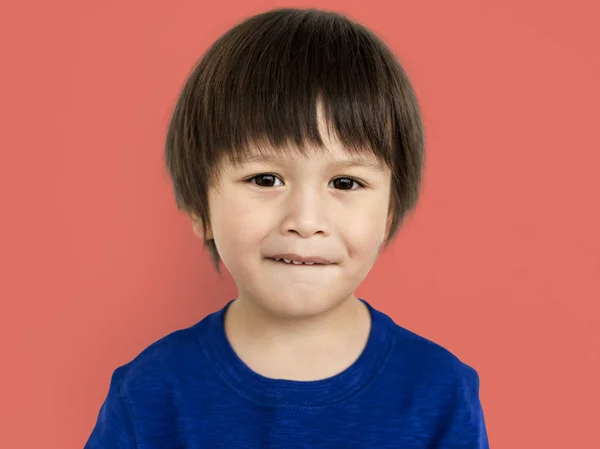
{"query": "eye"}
(262, 177)
(349, 182)
(343, 183)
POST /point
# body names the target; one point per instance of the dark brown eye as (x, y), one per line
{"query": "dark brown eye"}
(267, 180)
(264, 180)
(347, 184)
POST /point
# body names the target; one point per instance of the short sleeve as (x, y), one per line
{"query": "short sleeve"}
(114, 427)
(468, 428)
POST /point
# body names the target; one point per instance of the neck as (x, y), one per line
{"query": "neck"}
(308, 348)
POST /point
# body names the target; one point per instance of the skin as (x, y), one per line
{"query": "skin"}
(299, 322)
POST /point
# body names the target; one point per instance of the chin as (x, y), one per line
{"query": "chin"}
(298, 305)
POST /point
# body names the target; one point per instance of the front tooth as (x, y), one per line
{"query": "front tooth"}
(297, 263)
(287, 260)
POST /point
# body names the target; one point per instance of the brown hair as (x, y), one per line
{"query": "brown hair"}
(261, 83)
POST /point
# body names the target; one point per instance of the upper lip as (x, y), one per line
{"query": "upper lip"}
(297, 258)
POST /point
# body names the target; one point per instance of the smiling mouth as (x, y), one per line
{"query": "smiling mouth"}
(291, 262)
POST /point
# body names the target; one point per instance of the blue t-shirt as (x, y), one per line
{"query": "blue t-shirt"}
(190, 390)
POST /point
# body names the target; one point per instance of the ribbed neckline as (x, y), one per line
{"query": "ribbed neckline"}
(283, 392)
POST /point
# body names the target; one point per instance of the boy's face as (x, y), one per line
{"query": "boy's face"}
(299, 206)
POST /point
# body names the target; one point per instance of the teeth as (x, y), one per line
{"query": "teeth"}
(294, 262)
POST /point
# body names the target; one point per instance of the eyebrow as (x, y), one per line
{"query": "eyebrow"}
(348, 163)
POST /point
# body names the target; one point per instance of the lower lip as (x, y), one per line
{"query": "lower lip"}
(281, 262)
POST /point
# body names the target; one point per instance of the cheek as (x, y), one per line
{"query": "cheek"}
(239, 223)
(364, 236)
(236, 236)
(364, 243)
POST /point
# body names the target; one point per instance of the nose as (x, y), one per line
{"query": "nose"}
(306, 212)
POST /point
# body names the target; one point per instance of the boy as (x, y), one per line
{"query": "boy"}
(297, 148)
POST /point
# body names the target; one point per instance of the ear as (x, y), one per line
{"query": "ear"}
(197, 227)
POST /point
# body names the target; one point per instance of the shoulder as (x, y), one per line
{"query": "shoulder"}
(435, 380)
(160, 362)
(430, 365)
(141, 391)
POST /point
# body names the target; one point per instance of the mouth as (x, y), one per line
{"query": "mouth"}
(284, 261)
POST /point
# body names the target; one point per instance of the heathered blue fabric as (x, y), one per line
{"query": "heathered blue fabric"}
(190, 390)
